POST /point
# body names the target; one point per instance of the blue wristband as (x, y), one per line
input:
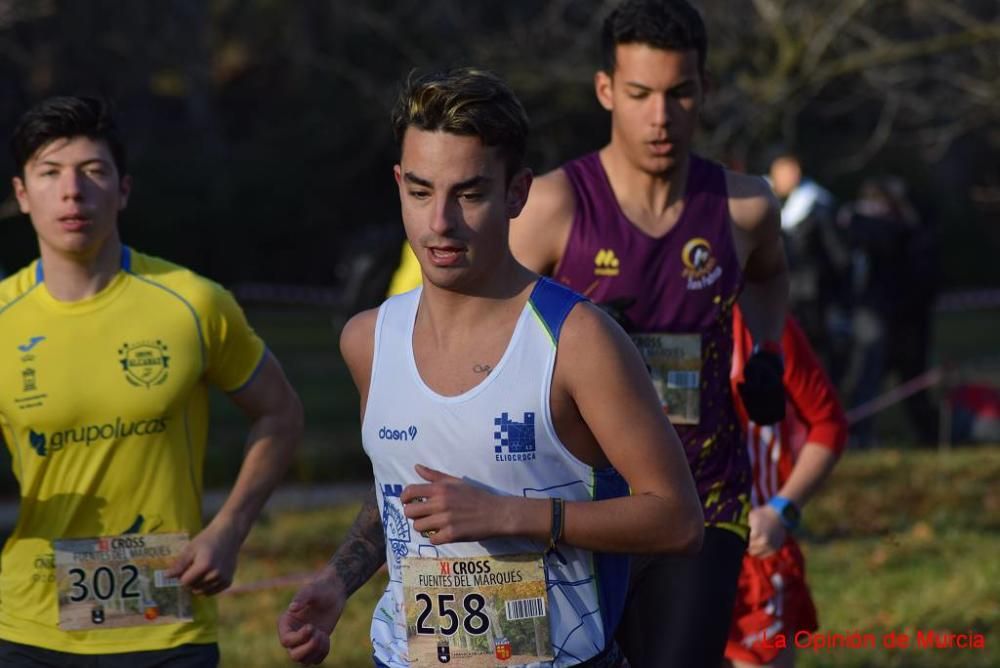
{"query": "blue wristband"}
(788, 512)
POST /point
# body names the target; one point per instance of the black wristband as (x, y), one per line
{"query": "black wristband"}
(558, 521)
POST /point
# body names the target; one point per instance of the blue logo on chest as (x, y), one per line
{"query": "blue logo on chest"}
(394, 523)
(390, 434)
(32, 342)
(517, 438)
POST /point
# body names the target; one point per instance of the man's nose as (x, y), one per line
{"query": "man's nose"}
(446, 211)
(71, 184)
(661, 110)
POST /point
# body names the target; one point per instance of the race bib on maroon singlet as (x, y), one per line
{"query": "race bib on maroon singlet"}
(674, 364)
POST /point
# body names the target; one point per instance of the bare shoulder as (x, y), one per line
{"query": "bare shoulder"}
(751, 201)
(539, 234)
(595, 342)
(357, 345)
(550, 198)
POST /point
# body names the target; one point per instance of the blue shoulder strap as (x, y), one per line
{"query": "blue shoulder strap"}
(552, 302)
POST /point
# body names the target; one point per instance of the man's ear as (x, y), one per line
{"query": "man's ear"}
(708, 83)
(124, 190)
(603, 88)
(517, 192)
(21, 193)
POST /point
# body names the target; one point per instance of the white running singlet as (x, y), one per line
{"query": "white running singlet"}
(498, 435)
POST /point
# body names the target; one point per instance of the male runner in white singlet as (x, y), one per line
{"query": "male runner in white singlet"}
(506, 419)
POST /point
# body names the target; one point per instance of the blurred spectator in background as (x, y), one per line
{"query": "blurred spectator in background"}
(911, 322)
(817, 257)
(892, 287)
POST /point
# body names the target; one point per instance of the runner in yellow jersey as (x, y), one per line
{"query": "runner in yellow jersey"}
(108, 354)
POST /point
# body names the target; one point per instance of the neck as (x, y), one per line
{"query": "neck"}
(71, 278)
(652, 194)
(453, 310)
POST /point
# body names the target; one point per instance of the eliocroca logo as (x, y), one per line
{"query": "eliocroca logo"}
(388, 434)
(45, 444)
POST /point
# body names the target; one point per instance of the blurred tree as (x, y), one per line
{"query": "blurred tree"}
(259, 128)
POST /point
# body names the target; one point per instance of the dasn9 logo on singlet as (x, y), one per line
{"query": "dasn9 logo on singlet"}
(390, 434)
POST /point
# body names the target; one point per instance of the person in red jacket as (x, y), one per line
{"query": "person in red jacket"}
(790, 461)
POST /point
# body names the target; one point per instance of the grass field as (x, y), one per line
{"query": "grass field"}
(898, 541)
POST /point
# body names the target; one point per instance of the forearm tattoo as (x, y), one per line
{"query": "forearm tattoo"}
(363, 550)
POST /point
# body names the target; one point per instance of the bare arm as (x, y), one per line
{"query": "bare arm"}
(815, 401)
(767, 533)
(363, 550)
(208, 564)
(539, 235)
(304, 628)
(276, 428)
(604, 375)
(813, 466)
(607, 379)
(756, 228)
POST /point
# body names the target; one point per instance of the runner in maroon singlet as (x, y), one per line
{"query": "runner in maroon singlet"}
(668, 242)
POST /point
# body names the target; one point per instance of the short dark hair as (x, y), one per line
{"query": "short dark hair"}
(671, 25)
(464, 101)
(65, 118)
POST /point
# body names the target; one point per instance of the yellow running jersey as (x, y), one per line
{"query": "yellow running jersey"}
(407, 275)
(104, 408)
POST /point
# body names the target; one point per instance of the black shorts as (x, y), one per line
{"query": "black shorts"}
(679, 609)
(15, 655)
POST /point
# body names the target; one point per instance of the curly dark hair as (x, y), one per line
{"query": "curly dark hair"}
(672, 25)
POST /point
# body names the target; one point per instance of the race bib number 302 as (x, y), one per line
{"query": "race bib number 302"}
(476, 611)
(119, 581)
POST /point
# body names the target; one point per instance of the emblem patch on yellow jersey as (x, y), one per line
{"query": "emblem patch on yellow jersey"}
(145, 363)
(33, 395)
(29, 381)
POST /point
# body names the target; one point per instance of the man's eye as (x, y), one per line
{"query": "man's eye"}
(49, 172)
(419, 194)
(638, 96)
(471, 197)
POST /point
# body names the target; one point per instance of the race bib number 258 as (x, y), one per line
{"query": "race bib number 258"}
(476, 611)
(119, 581)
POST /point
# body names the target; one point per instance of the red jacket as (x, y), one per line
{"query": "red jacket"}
(813, 413)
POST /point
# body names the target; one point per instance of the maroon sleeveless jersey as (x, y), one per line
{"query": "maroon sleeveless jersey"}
(677, 292)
